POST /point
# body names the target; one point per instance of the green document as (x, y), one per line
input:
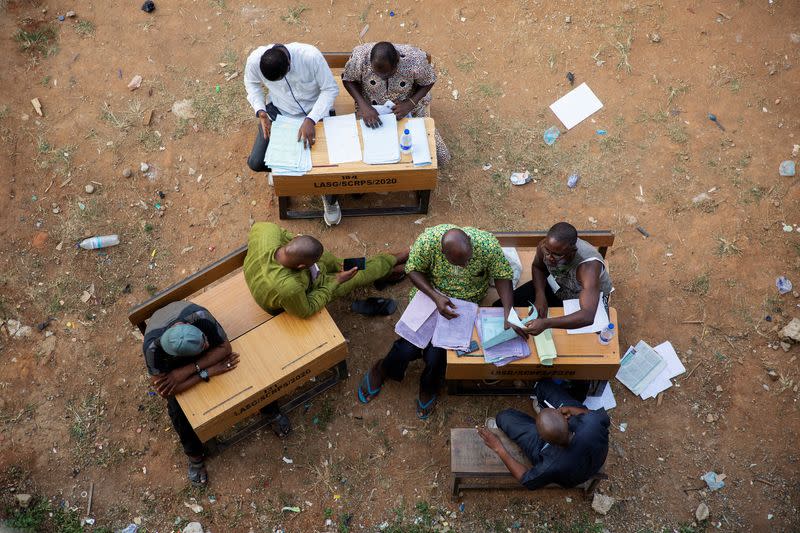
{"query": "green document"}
(545, 347)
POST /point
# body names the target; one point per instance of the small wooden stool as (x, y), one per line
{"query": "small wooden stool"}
(471, 458)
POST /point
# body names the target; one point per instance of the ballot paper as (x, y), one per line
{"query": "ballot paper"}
(341, 136)
(605, 400)
(545, 347)
(639, 367)
(504, 335)
(576, 106)
(420, 337)
(491, 324)
(600, 316)
(673, 368)
(384, 109)
(285, 155)
(456, 333)
(420, 151)
(418, 311)
(381, 144)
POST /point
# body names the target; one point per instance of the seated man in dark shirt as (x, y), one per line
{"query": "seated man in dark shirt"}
(184, 345)
(567, 444)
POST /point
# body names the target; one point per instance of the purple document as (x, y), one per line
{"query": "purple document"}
(418, 311)
(490, 321)
(456, 333)
(422, 336)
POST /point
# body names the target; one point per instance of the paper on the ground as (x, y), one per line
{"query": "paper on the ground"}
(456, 333)
(420, 151)
(639, 367)
(381, 144)
(418, 311)
(576, 106)
(605, 400)
(490, 324)
(673, 368)
(341, 136)
(384, 109)
(285, 155)
(600, 316)
(422, 336)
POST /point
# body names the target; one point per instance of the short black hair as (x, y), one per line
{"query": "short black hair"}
(563, 232)
(274, 63)
(384, 52)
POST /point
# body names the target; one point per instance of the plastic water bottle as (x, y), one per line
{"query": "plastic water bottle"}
(783, 284)
(405, 142)
(606, 335)
(573, 180)
(103, 241)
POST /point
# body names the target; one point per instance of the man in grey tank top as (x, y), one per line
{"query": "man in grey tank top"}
(564, 267)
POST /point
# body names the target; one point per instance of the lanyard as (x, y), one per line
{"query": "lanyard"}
(293, 96)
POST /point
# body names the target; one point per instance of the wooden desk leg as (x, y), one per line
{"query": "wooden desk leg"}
(283, 207)
(454, 487)
(424, 201)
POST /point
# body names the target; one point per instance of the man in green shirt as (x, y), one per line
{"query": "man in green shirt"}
(295, 273)
(445, 262)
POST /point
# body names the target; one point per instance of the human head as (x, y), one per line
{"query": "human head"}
(560, 244)
(302, 252)
(274, 63)
(183, 339)
(552, 427)
(383, 58)
(457, 247)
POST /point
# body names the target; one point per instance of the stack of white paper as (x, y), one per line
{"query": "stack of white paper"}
(605, 400)
(381, 144)
(341, 136)
(576, 106)
(600, 316)
(418, 321)
(456, 333)
(673, 368)
(285, 155)
(640, 367)
(420, 152)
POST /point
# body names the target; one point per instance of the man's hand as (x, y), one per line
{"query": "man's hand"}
(346, 275)
(266, 123)
(535, 326)
(541, 305)
(307, 133)
(370, 116)
(165, 383)
(518, 330)
(443, 305)
(226, 365)
(403, 108)
(569, 411)
(491, 440)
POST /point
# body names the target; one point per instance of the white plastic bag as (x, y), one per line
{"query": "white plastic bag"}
(516, 265)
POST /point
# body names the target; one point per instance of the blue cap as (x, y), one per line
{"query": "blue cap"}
(611, 326)
(406, 131)
(183, 339)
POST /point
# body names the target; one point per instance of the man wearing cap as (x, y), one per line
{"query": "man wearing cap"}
(183, 346)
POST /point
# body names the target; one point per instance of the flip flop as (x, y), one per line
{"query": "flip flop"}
(371, 394)
(198, 475)
(391, 279)
(281, 425)
(374, 306)
(427, 406)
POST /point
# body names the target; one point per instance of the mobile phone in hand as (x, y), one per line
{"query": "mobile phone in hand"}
(355, 262)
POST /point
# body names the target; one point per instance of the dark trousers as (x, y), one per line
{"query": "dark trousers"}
(189, 440)
(521, 428)
(403, 352)
(525, 295)
(259, 150)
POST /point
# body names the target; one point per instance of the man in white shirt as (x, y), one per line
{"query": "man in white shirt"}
(301, 85)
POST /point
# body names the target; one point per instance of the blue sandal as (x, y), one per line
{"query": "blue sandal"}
(427, 406)
(371, 394)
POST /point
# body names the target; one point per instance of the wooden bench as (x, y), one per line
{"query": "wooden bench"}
(471, 459)
(279, 356)
(357, 177)
(580, 356)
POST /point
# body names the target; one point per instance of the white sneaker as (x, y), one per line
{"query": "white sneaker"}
(269, 179)
(332, 212)
(491, 423)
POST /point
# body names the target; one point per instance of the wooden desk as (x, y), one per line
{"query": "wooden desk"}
(579, 357)
(359, 177)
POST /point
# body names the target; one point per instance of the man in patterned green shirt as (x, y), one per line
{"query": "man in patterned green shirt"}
(445, 262)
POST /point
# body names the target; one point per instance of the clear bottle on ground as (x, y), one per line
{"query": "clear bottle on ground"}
(405, 142)
(103, 241)
(606, 335)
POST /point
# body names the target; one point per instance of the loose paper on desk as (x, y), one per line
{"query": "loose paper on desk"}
(673, 368)
(576, 106)
(600, 316)
(420, 151)
(605, 400)
(285, 155)
(456, 333)
(639, 367)
(384, 109)
(381, 144)
(506, 335)
(341, 136)
(491, 324)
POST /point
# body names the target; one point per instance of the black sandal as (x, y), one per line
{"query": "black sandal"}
(198, 475)
(281, 425)
(374, 306)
